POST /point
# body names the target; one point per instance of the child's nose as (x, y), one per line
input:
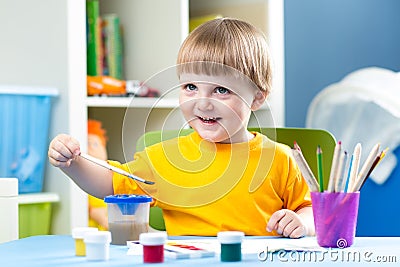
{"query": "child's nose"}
(204, 103)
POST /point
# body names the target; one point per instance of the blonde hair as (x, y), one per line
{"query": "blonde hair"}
(227, 42)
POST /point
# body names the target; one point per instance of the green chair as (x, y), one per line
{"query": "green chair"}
(308, 140)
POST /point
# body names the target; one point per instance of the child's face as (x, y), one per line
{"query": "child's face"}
(218, 107)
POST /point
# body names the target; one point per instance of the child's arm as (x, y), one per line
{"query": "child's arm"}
(95, 180)
(292, 224)
(99, 215)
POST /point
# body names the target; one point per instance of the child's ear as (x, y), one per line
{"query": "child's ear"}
(258, 100)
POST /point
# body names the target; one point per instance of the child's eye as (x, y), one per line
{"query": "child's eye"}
(222, 90)
(190, 87)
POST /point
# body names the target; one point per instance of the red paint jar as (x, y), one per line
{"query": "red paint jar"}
(153, 247)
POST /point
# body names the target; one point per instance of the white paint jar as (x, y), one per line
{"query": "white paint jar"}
(97, 245)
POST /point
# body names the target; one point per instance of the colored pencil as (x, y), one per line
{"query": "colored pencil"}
(320, 169)
(362, 175)
(305, 170)
(334, 167)
(376, 162)
(348, 174)
(339, 186)
(382, 155)
(355, 166)
(296, 146)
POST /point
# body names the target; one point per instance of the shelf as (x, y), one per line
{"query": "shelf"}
(131, 102)
(38, 198)
(137, 102)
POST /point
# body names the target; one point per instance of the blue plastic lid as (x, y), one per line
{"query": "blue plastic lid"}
(119, 199)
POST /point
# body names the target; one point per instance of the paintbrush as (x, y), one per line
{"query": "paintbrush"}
(114, 169)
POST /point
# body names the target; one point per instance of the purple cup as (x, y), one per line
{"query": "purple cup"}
(335, 218)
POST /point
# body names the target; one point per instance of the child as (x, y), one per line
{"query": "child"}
(221, 177)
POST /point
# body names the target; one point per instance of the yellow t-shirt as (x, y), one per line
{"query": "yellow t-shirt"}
(95, 202)
(206, 187)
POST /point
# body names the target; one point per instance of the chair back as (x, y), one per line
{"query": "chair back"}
(308, 139)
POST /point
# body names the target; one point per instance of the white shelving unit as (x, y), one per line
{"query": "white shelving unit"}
(45, 46)
(34, 198)
(140, 102)
(124, 102)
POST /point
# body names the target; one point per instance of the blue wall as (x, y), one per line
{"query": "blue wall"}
(378, 213)
(327, 39)
(324, 41)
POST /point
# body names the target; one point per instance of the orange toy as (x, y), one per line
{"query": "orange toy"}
(105, 85)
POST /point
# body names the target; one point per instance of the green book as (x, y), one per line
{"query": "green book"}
(94, 40)
(113, 45)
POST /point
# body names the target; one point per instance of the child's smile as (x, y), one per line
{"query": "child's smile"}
(207, 120)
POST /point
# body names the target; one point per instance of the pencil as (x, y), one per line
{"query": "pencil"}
(320, 169)
(354, 166)
(358, 187)
(376, 162)
(362, 175)
(305, 170)
(348, 174)
(296, 146)
(382, 155)
(340, 173)
(114, 169)
(334, 167)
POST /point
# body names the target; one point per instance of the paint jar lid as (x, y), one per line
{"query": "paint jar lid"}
(79, 232)
(230, 237)
(152, 239)
(128, 204)
(127, 199)
(97, 237)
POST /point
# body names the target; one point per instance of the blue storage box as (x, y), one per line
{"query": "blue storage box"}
(24, 126)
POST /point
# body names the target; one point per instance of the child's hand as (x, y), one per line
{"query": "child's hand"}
(62, 150)
(287, 223)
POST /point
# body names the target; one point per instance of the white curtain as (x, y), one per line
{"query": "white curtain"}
(363, 108)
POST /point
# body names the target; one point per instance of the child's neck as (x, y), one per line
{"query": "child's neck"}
(248, 136)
